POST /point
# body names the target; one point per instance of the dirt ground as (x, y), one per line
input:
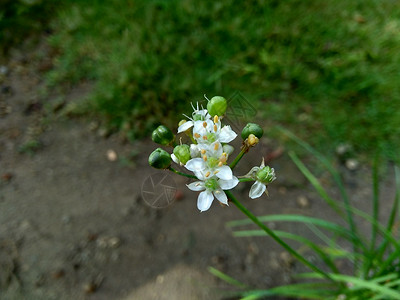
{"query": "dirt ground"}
(75, 223)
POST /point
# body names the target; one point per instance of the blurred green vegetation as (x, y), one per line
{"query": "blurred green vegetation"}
(22, 18)
(328, 70)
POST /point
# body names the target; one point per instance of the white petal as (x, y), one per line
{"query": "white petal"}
(227, 134)
(185, 126)
(175, 159)
(196, 186)
(228, 184)
(220, 195)
(194, 151)
(215, 149)
(257, 189)
(204, 200)
(195, 164)
(224, 173)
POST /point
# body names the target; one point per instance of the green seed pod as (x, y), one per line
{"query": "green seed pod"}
(182, 152)
(252, 128)
(266, 175)
(162, 135)
(160, 159)
(217, 106)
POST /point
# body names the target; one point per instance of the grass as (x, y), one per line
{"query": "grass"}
(326, 70)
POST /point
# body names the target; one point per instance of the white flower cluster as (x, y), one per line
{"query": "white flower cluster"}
(207, 158)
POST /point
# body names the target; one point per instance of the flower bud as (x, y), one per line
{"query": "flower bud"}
(182, 152)
(228, 149)
(217, 106)
(266, 175)
(252, 128)
(162, 135)
(160, 159)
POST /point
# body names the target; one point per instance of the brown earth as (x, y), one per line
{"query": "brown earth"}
(75, 223)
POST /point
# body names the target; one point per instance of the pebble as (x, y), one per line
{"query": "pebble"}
(352, 164)
(303, 202)
(286, 259)
(112, 155)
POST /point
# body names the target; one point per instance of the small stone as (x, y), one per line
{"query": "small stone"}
(90, 288)
(286, 259)
(114, 242)
(303, 202)
(352, 164)
(112, 155)
(342, 149)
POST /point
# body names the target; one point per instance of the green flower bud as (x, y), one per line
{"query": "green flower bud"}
(182, 152)
(217, 106)
(252, 128)
(266, 175)
(160, 159)
(162, 135)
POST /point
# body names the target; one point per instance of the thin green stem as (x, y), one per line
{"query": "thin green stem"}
(245, 179)
(274, 236)
(238, 157)
(180, 173)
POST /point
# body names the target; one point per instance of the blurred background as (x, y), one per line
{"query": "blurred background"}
(83, 84)
(328, 71)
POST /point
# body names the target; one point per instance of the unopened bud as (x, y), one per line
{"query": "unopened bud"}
(160, 159)
(182, 152)
(217, 106)
(162, 135)
(252, 128)
(228, 149)
(266, 175)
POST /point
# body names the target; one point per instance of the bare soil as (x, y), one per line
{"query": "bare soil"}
(75, 224)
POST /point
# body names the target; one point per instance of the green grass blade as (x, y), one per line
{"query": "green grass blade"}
(358, 283)
(226, 278)
(315, 183)
(334, 228)
(302, 240)
(332, 171)
(317, 290)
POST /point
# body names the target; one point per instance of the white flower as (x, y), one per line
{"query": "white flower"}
(209, 131)
(262, 175)
(210, 188)
(212, 163)
(198, 115)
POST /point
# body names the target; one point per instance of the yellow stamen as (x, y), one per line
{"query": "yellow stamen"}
(220, 164)
(204, 124)
(203, 151)
(205, 157)
(252, 140)
(204, 137)
(215, 119)
(216, 172)
(208, 174)
(223, 158)
(216, 146)
(196, 135)
(215, 128)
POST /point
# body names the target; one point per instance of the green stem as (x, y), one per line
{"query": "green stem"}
(245, 179)
(274, 236)
(238, 157)
(180, 173)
